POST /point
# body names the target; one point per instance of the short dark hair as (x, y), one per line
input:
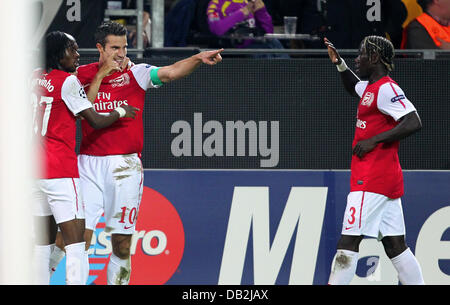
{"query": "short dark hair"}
(381, 46)
(56, 43)
(109, 28)
(424, 4)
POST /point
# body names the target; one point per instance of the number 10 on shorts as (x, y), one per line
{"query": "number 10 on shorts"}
(129, 219)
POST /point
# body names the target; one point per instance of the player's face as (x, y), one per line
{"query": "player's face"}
(70, 61)
(362, 63)
(116, 45)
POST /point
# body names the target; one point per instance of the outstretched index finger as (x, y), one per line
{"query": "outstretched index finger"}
(215, 52)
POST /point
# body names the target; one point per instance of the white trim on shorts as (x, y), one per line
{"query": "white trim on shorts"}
(60, 197)
(374, 215)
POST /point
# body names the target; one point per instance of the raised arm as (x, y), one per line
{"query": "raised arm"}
(262, 16)
(219, 26)
(186, 66)
(348, 77)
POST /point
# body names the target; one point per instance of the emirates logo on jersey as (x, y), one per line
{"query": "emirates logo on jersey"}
(368, 98)
(361, 124)
(120, 81)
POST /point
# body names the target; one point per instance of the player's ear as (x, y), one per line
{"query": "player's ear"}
(374, 58)
(100, 47)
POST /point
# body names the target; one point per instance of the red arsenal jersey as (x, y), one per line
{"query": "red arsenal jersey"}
(57, 98)
(382, 104)
(126, 135)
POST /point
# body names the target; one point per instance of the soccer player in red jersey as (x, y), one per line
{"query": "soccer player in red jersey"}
(384, 117)
(111, 171)
(58, 98)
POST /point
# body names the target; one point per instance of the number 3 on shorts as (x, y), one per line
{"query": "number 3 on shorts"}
(352, 216)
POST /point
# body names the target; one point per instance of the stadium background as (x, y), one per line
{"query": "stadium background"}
(187, 203)
(317, 120)
(316, 116)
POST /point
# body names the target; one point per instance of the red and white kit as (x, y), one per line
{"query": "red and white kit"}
(57, 98)
(111, 171)
(376, 183)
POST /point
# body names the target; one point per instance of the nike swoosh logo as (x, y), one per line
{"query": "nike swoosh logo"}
(126, 228)
(348, 228)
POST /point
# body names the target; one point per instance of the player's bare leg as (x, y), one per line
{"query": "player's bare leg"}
(72, 233)
(88, 237)
(119, 266)
(345, 261)
(404, 261)
(45, 226)
(59, 240)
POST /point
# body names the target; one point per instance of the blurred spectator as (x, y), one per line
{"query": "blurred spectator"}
(131, 21)
(311, 19)
(393, 16)
(169, 4)
(241, 19)
(178, 22)
(413, 10)
(349, 21)
(431, 29)
(200, 33)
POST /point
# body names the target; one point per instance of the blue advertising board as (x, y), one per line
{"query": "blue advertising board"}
(245, 227)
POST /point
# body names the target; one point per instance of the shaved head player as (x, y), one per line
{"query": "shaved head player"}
(384, 117)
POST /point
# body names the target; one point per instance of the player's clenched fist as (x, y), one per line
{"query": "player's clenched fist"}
(130, 111)
(109, 65)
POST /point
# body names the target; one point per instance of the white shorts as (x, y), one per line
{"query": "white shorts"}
(374, 215)
(111, 185)
(58, 197)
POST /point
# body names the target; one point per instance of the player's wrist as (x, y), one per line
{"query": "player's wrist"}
(122, 112)
(341, 65)
(99, 76)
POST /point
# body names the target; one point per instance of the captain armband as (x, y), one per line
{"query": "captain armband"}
(154, 77)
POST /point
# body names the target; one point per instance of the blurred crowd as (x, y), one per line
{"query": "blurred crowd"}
(238, 23)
